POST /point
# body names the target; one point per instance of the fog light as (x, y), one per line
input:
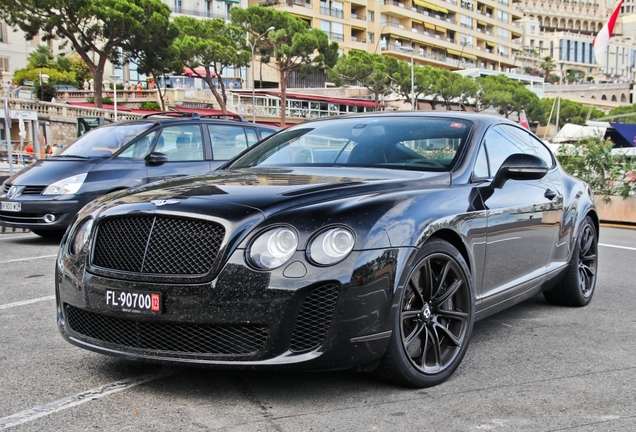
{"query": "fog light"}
(49, 218)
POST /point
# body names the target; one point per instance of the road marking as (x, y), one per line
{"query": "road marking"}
(26, 302)
(80, 398)
(617, 247)
(21, 237)
(28, 259)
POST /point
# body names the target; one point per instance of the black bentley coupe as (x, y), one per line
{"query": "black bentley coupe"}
(371, 242)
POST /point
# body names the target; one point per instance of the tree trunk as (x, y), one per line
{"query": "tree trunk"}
(98, 80)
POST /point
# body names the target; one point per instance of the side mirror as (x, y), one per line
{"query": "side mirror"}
(156, 158)
(520, 166)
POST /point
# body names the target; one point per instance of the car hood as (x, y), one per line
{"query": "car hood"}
(47, 171)
(272, 190)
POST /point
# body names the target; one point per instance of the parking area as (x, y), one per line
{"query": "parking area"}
(534, 367)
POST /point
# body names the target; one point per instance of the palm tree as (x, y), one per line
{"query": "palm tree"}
(42, 57)
(548, 66)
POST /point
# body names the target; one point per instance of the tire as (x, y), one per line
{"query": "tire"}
(578, 284)
(433, 324)
(49, 235)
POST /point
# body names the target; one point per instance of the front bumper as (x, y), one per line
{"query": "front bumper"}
(44, 213)
(330, 318)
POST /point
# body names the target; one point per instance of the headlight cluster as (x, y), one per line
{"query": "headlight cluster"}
(80, 236)
(69, 185)
(275, 247)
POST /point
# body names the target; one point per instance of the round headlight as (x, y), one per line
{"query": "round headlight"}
(273, 248)
(331, 246)
(80, 237)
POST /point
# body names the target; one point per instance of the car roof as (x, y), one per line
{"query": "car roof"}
(176, 117)
(481, 118)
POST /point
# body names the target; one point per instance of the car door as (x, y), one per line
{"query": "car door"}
(520, 222)
(186, 149)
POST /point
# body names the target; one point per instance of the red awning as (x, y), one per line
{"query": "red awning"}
(199, 70)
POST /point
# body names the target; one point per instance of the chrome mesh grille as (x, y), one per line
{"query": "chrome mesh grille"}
(157, 245)
(314, 318)
(236, 339)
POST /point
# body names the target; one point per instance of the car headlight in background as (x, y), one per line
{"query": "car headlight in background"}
(331, 246)
(273, 248)
(69, 185)
(80, 236)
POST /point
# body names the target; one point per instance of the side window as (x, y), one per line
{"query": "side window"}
(529, 143)
(499, 148)
(181, 143)
(266, 132)
(481, 165)
(140, 148)
(227, 141)
(252, 138)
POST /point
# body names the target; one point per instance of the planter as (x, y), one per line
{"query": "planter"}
(619, 210)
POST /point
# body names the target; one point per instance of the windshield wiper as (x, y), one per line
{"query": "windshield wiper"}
(71, 156)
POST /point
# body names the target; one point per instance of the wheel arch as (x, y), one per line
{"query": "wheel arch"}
(454, 239)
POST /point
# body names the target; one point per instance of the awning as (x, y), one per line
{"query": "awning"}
(200, 70)
(231, 1)
(469, 56)
(482, 23)
(430, 6)
(440, 29)
(626, 136)
(429, 25)
(453, 52)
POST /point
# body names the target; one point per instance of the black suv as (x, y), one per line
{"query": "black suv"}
(46, 196)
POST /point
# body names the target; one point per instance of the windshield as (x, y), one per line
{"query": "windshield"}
(105, 140)
(414, 143)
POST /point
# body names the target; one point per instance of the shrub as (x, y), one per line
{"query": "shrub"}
(150, 105)
(608, 171)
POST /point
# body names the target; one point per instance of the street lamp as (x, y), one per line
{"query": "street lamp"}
(253, 45)
(114, 79)
(411, 50)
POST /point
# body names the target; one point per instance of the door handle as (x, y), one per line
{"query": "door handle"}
(550, 194)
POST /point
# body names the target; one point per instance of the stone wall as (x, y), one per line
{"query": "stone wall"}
(62, 132)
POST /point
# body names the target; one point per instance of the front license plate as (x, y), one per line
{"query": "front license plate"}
(141, 302)
(11, 206)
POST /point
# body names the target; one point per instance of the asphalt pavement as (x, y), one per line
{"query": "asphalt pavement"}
(534, 367)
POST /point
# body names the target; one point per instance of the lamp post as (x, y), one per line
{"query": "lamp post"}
(114, 79)
(558, 113)
(253, 46)
(411, 50)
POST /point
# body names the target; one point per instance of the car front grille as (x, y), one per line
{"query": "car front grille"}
(26, 190)
(314, 318)
(211, 339)
(157, 245)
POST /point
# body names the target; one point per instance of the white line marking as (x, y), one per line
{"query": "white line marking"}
(26, 302)
(79, 398)
(10, 237)
(617, 247)
(27, 259)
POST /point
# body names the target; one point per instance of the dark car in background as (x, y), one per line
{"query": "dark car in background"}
(370, 242)
(45, 196)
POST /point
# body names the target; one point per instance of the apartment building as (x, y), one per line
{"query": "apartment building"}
(451, 34)
(565, 30)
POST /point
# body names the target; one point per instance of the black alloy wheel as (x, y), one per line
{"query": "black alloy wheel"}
(434, 321)
(578, 284)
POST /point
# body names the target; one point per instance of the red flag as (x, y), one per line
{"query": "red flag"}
(601, 41)
(523, 120)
